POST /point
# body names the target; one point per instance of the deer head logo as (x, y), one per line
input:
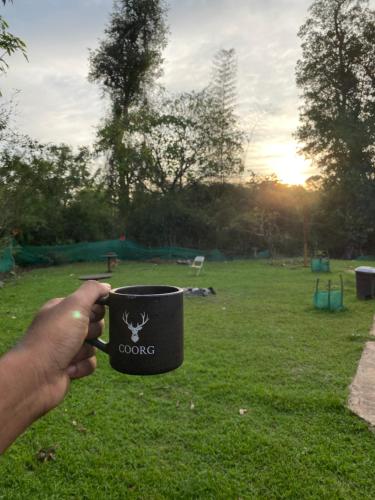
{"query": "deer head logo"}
(135, 329)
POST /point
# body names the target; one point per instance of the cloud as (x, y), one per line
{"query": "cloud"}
(55, 105)
(264, 35)
(58, 104)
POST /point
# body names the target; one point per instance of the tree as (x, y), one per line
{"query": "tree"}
(174, 139)
(126, 65)
(9, 43)
(129, 59)
(175, 145)
(89, 216)
(226, 137)
(337, 119)
(38, 184)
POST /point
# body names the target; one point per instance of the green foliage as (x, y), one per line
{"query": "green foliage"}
(154, 142)
(177, 140)
(38, 184)
(71, 205)
(129, 57)
(167, 220)
(258, 345)
(123, 166)
(126, 65)
(235, 219)
(9, 44)
(336, 76)
(336, 80)
(90, 216)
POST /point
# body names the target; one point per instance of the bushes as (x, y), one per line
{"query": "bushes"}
(230, 217)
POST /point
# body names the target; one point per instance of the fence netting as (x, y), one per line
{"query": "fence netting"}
(6, 259)
(94, 251)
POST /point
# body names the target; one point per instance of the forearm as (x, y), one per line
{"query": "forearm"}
(35, 376)
(22, 395)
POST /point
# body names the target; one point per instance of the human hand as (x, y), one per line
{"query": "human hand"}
(56, 338)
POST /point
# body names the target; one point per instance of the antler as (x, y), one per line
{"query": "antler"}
(144, 320)
(125, 318)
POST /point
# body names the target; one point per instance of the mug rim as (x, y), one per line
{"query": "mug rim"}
(175, 290)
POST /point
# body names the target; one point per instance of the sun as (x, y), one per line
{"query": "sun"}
(284, 161)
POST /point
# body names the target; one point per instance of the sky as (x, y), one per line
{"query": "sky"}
(56, 103)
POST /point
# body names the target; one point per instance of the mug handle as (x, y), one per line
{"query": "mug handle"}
(103, 346)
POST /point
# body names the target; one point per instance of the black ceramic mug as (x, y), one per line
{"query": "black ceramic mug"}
(145, 329)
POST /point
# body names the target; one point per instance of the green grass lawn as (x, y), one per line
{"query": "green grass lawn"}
(257, 345)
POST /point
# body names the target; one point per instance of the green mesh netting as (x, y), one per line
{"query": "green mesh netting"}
(366, 257)
(6, 260)
(329, 300)
(125, 250)
(264, 254)
(320, 265)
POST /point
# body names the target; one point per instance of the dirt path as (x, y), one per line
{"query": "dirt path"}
(362, 390)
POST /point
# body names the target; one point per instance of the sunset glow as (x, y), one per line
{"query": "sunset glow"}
(287, 164)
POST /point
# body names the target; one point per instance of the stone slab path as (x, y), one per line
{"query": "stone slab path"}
(362, 390)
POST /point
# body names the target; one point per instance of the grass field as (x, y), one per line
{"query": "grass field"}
(257, 345)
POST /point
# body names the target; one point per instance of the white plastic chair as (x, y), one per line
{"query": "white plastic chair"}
(197, 264)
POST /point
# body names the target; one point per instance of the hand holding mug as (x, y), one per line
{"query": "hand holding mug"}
(35, 375)
(57, 337)
(146, 337)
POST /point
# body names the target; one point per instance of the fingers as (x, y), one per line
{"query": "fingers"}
(95, 329)
(85, 298)
(82, 368)
(86, 351)
(89, 293)
(84, 363)
(97, 313)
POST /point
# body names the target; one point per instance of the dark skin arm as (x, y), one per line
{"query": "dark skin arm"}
(36, 374)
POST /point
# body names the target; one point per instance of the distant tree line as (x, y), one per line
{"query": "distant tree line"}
(169, 169)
